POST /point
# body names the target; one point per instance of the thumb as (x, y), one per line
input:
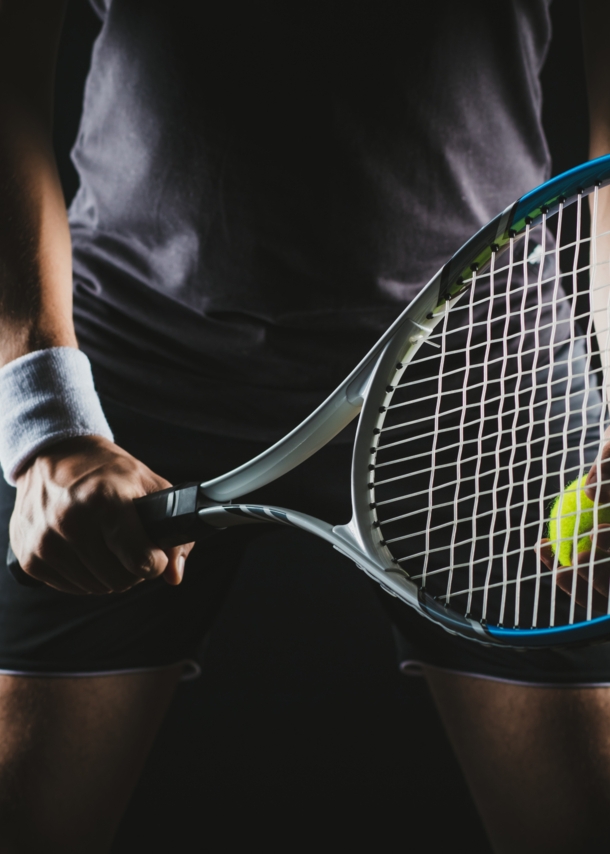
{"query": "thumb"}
(176, 558)
(600, 471)
(591, 483)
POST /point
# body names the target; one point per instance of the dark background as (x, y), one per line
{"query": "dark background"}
(301, 731)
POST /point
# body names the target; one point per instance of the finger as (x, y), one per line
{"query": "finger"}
(128, 541)
(59, 554)
(566, 579)
(93, 569)
(176, 558)
(48, 575)
(603, 537)
(579, 586)
(103, 565)
(573, 584)
(596, 578)
(598, 574)
(599, 603)
(54, 562)
(545, 553)
(599, 492)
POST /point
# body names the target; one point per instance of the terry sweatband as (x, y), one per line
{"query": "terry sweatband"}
(45, 397)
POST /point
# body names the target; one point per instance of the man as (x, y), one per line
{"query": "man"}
(263, 188)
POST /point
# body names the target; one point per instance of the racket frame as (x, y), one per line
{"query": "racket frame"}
(363, 392)
(345, 403)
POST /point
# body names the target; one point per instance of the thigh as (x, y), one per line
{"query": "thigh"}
(537, 760)
(71, 750)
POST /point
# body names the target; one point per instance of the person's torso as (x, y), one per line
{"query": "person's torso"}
(264, 186)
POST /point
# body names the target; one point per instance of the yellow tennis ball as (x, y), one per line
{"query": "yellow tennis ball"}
(571, 505)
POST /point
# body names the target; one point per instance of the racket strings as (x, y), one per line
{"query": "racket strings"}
(553, 253)
(423, 420)
(483, 386)
(483, 433)
(518, 336)
(496, 490)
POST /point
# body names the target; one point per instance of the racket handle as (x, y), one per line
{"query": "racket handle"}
(169, 517)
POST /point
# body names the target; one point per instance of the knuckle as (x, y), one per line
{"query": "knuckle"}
(31, 565)
(46, 549)
(66, 523)
(86, 503)
(89, 495)
(147, 567)
(69, 513)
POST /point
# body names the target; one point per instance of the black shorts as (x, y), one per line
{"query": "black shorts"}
(44, 632)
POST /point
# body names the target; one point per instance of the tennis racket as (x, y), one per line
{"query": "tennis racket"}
(478, 406)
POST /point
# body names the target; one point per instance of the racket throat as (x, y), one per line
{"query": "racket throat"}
(347, 541)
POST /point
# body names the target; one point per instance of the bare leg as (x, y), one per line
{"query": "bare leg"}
(537, 760)
(71, 751)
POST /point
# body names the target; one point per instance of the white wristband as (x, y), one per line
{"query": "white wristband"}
(45, 397)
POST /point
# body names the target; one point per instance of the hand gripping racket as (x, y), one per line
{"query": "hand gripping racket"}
(478, 406)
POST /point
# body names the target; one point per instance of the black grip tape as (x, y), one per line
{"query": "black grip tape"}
(170, 517)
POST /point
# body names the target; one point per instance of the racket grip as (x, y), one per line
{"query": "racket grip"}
(169, 517)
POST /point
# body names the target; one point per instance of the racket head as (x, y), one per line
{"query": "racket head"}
(483, 579)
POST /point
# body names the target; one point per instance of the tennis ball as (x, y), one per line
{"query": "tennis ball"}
(564, 513)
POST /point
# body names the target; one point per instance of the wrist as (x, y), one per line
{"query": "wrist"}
(17, 345)
(46, 397)
(50, 456)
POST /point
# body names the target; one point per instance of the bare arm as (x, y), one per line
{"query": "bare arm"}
(74, 525)
(35, 257)
(595, 17)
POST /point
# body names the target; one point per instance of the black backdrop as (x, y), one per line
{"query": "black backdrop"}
(301, 731)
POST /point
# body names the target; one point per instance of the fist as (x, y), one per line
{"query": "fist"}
(74, 526)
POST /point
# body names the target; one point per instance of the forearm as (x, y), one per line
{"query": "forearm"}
(35, 256)
(595, 18)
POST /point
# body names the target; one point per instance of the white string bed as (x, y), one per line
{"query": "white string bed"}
(503, 407)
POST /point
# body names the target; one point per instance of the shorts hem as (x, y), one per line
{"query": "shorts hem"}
(413, 668)
(191, 670)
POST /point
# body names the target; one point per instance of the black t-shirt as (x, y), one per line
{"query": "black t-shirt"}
(265, 185)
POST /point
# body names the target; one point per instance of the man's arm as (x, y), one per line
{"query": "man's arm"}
(595, 17)
(74, 525)
(595, 20)
(35, 257)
